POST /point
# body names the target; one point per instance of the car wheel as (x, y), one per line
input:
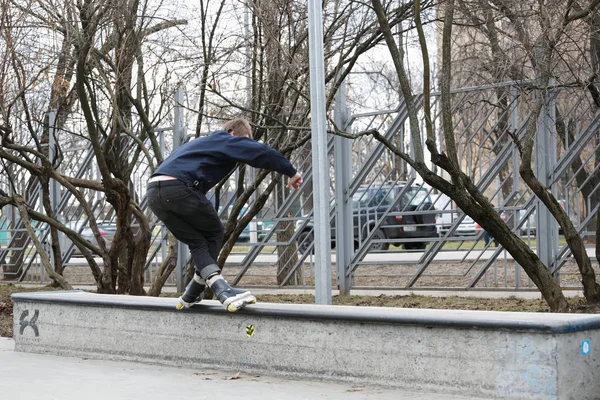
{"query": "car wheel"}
(381, 246)
(305, 241)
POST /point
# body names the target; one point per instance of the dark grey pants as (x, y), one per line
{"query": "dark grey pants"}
(191, 218)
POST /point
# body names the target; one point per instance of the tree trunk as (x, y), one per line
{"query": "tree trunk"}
(56, 253)
(166, 267)
(477, 206)
(481, 210)
(591, 289)
(138, 258)
(522, 254)
(585, 182)
(287, 256)
(461, 189)
(45, 260)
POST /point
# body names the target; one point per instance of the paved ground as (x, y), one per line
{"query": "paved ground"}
(26, 376)
(390, 256)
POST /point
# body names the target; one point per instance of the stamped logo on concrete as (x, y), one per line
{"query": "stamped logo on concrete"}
(250, 330)
(25, 322)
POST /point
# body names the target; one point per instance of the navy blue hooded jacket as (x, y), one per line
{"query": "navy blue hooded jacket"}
(209, 159)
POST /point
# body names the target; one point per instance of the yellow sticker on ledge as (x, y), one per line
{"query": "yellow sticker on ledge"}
(250, 330)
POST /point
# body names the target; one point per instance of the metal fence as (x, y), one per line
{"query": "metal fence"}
(400, 233)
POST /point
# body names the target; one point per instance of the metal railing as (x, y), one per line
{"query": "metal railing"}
(486, 120)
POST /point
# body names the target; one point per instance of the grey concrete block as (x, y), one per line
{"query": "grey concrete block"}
(489, 354)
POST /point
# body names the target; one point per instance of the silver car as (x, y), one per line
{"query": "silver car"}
(467, 227)
(105, 229)
(528, 228)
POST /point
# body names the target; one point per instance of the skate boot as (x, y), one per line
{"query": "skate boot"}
(194, 293)
(232, 299)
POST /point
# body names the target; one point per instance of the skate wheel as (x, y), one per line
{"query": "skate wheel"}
(232, 308)
(179, 307)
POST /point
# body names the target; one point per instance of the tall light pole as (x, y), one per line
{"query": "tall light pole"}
(320, 160)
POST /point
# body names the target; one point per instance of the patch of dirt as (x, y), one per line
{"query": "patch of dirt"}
(419, 301)
(6, 305)
(6, 317)
(502, 273)
(461, 274)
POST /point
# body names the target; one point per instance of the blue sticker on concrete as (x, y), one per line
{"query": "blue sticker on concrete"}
(585, 347)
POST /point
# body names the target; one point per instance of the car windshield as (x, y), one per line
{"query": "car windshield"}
(414, 197)
(360, 199)
(377, 197)
(373, 197)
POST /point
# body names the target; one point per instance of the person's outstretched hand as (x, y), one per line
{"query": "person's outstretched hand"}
(295, 181)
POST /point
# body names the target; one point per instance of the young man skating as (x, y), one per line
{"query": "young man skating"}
(177, 195)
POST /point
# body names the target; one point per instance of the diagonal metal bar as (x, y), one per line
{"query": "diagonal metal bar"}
(488, 177)
(564, 163)
(289, 201)
(364, 248)
(377, 152)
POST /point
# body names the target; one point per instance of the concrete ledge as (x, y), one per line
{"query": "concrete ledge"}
(472, 353)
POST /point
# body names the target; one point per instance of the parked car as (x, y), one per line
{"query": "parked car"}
(467, 227)
(528, 227)
(105, 229)
(448, 216)
(444, 218)
(368, 206)
(110, 228)
(262, 227)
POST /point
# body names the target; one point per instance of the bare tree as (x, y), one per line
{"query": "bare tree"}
(19, 77)
(460, 186)
(100, 67)
(541, 43)
(101, 91)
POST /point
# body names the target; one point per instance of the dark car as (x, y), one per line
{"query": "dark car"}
(411, 216)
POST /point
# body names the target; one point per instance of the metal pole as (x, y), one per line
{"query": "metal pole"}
(8, 212)
(550, 111)
(319, 155)
(514, 125)
(251, 171)
(401, 146)
(343, 171)
(178, 139)
(545, 162)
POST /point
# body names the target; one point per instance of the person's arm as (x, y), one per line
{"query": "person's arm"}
(259, 155)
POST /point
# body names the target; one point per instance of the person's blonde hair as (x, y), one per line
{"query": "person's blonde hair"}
(239, 127)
